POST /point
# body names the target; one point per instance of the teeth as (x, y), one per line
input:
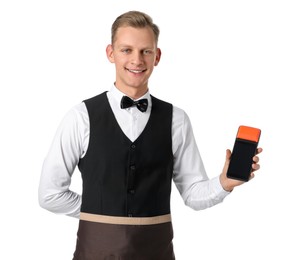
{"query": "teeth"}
(135, 71)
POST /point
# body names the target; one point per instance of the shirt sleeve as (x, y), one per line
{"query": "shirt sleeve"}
(63, 156)
(189, 175)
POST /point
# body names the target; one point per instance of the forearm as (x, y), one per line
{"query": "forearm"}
(204, 194)
(54, 193)
(67, 202)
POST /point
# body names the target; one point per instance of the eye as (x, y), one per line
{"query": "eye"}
(126, 51)
(147, 52)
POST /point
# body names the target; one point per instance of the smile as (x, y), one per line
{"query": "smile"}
(136, 71)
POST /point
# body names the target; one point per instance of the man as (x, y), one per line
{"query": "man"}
(129, 146)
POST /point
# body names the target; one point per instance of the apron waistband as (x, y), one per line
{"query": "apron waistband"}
(125, 220)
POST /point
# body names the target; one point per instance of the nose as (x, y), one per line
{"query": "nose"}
(137, 58)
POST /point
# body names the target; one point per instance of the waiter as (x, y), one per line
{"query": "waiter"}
(129, 146)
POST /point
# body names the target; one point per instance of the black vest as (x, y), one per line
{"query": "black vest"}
(124, 178)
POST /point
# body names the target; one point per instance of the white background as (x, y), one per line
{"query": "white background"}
(223, 62)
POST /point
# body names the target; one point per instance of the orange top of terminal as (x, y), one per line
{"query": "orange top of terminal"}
(248, 133)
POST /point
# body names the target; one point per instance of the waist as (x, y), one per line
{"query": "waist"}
(125, 220)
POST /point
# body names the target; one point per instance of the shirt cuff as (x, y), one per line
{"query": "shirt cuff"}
(218, 189)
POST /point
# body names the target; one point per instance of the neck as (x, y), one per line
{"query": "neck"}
(133, 93)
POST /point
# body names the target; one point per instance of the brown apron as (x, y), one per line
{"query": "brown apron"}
(121, 238)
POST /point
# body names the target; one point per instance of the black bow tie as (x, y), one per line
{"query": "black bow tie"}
(140, 104)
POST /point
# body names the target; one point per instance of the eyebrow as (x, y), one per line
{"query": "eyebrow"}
(130, 46)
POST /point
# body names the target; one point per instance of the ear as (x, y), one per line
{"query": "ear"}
(157, 57)
(109, 53)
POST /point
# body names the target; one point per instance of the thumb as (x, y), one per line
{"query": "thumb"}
(227, 160)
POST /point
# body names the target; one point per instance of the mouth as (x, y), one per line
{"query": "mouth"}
(135, 71)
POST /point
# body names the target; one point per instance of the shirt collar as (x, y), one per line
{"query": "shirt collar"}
(117, 95)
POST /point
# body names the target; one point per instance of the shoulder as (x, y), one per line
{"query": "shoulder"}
(181, 120)
(179, 117)
(179, 114)
(95, 99)
(159, 101)
(96, 104)
(75, 118)
(79, 112)
(164, 108)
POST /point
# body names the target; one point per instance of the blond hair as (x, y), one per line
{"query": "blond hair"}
(134, 19)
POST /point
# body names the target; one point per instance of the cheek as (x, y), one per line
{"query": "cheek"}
(120, 60)
(152, 61)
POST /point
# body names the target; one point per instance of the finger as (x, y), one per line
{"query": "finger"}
(228, 157)
(251, 176)
(256, 159)
(227, 161)
(255, 166)
(228, 154)
(259, 150)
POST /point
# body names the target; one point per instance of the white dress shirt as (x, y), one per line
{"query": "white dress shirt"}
(71, 142)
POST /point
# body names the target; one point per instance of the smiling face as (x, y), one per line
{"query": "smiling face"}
(134, 53)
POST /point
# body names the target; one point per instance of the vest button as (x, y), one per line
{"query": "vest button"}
(130, 214)
(133, 167)
(133, 146)
(132, 191)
